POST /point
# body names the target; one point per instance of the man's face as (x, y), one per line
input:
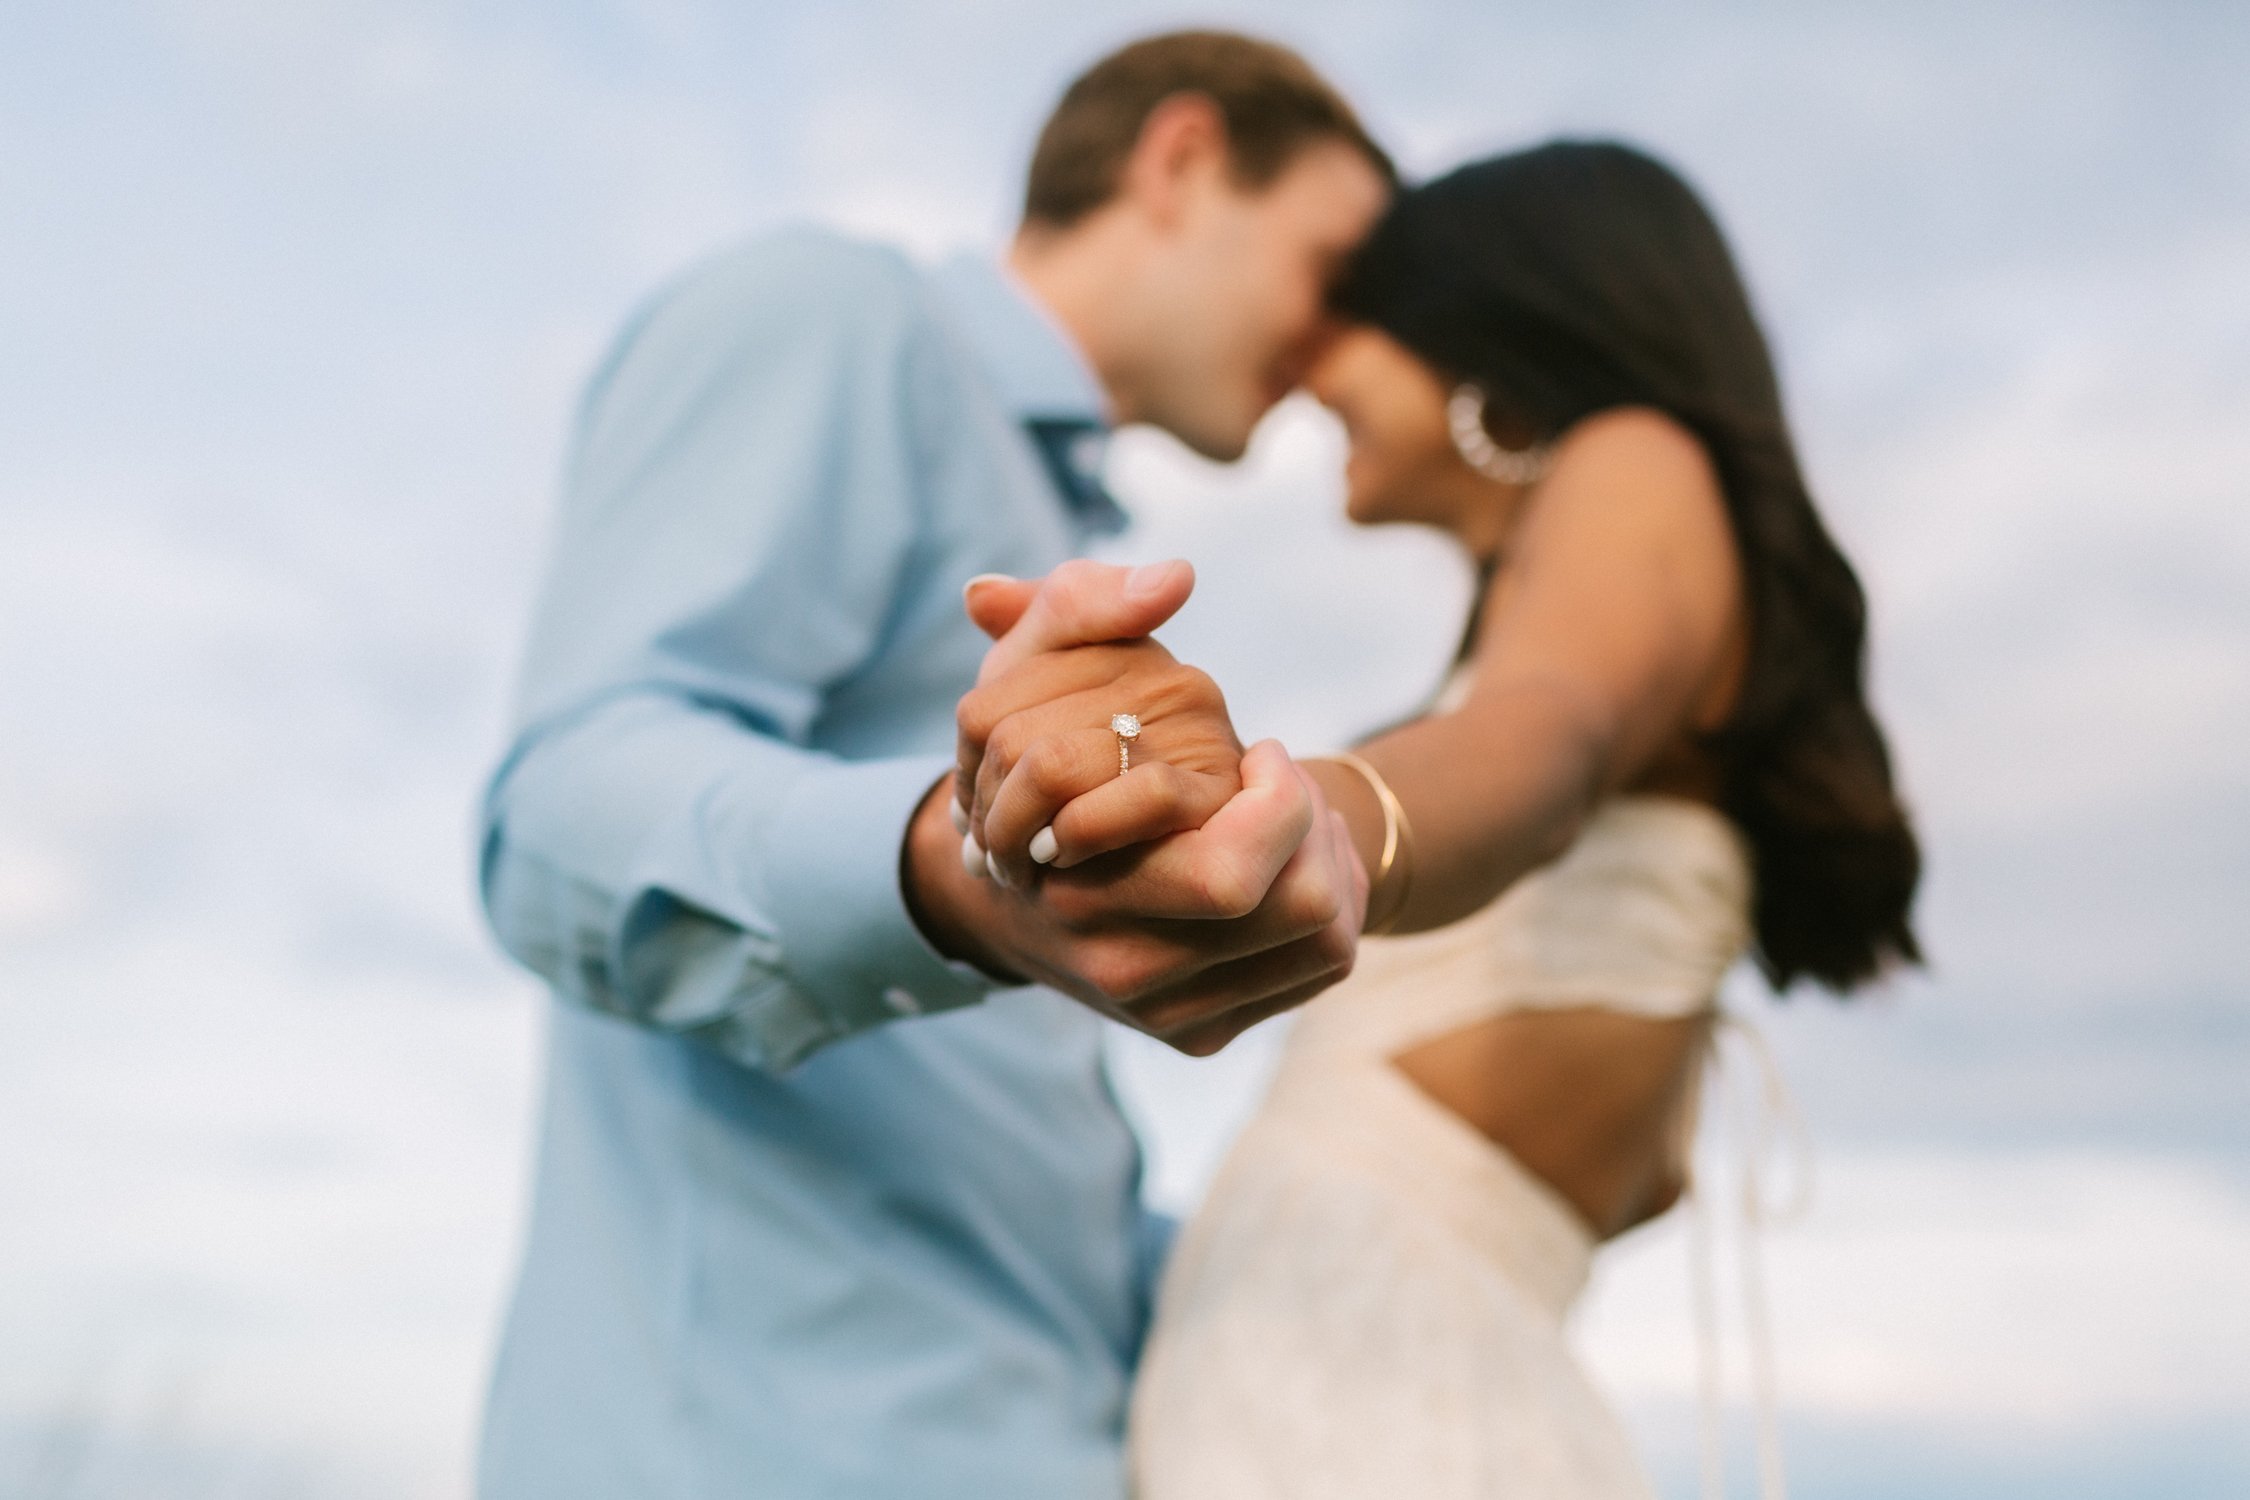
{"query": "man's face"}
(1243, 283)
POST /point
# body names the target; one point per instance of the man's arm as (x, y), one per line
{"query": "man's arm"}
(661, 842)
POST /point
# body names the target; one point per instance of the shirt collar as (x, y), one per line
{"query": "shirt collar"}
(1042, 378)
(1038, 370)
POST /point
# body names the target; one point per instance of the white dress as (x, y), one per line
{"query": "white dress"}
(1371, 1301)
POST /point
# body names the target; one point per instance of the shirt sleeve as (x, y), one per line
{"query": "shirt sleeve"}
(661, 843)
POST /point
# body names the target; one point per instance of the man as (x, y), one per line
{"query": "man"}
(822, 1208)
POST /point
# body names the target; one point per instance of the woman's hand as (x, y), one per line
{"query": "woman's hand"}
(1243, 894)
(1038, 776)
(1037, 782)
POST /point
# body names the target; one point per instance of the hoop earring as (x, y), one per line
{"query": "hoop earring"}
(1464, 415)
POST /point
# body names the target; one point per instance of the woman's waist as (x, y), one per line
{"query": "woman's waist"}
(1361, 1122)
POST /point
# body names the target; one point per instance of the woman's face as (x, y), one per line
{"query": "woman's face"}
(1402, 466)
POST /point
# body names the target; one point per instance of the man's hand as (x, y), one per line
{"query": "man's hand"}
(1079, 604)
(1192, 939)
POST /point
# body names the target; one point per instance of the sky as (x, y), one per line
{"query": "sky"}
(295, 300)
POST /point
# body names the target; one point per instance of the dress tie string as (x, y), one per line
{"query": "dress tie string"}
(1758, 1113)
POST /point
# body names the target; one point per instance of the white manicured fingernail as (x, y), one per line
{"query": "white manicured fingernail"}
(992, 868)
(1044, 848)
(972, 855)
(984, 578)
(960, 816)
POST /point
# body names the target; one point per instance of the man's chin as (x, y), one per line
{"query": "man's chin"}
(1221, 446)
(1208, 421)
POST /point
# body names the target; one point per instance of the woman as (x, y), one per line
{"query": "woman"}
(1655, 753)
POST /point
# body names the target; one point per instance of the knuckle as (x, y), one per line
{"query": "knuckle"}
(1005, 745)
(974, 717)
(1315, 903)
(1051, 767)
(1337, 951)
(1099, 967)
(1117, 972)
(1068, 586)
(1223, 890)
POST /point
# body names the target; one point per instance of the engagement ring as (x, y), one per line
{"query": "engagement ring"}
(1127, 728)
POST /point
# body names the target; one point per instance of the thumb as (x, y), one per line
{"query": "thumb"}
(995, 601)
(1084, 603)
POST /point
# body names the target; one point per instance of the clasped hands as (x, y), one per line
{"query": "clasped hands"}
(1209, 888)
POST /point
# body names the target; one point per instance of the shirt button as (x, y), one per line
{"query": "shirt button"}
(901, 1002)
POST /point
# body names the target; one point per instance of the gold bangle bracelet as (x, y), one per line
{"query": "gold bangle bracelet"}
(1398, 851)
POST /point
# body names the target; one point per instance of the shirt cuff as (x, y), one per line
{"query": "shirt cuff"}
(848, 942)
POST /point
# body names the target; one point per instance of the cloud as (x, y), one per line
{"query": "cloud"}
(2034, 1294)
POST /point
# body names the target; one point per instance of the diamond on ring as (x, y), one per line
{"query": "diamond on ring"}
(1127, 728)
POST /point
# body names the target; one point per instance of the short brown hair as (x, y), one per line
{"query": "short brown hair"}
(1273, 103)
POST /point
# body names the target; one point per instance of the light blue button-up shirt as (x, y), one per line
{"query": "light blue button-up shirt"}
(815, 1215)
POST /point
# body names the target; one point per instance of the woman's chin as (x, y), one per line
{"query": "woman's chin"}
(1365, 505)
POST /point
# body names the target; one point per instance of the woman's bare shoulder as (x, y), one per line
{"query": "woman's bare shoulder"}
(1624, 573)
(1631, 474)
(1636, 447)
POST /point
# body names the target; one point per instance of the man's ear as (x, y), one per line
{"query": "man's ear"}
(1183, 139)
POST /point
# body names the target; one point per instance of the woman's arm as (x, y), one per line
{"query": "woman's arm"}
(1613, 627)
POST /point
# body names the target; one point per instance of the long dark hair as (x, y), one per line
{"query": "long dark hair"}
(1582, 276)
